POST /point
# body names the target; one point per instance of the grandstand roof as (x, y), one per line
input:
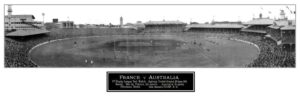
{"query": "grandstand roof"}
(164, 23)
(215, 26)
(21, 33)
(293, 22)
(255, 31)
(288, 28)
(21, 16)
(261, 21)
(66, 21)
(140, 25)
(226, 22)
(135, 26)
(274, 27)
(283, 24)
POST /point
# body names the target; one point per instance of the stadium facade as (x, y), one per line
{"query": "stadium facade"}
(22, 25)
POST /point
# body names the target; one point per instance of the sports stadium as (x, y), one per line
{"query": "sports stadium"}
(261, 42)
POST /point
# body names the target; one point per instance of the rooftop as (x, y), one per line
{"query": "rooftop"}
(288, 28)
(21, 16)
(66, 21)
(226, 22)
(164, 23)
(215, 26)
(254, 31)
(284, 24)
(20, 33)
(260, 21)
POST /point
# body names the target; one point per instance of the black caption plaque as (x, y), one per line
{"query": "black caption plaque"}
(157, 81)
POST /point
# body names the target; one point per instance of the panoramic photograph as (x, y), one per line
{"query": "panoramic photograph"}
(155, 36)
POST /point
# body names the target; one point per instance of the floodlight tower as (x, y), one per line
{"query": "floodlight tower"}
(121, 21)
(43, 14)
(9, 10)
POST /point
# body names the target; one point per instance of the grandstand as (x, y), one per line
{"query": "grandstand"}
(288, 37)
(164, 26)
(21, 22)
(283, 32)
(22, 25)
(221, 28)
(257, 26)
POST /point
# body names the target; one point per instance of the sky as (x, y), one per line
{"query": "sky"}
(105, 14)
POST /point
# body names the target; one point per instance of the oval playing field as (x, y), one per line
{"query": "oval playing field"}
(143, 51)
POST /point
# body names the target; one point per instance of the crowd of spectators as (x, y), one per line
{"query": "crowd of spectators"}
(14, 55)
(272, 55)
(275, 33)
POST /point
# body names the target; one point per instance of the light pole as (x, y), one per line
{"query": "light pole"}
(43, 14)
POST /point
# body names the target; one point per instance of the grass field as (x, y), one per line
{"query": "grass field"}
(143, 51)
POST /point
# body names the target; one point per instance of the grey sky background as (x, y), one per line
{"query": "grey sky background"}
(105, 14)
